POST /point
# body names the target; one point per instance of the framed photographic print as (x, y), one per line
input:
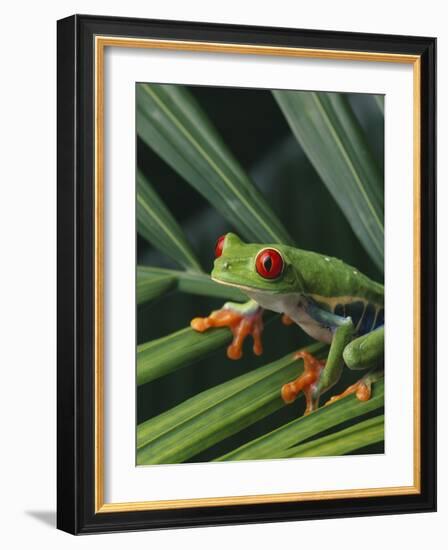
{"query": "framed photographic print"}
(246, 274)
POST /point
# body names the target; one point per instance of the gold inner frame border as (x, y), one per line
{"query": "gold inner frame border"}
(100, 43)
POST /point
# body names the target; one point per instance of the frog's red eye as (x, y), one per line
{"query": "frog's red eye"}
(219, 246)
(269, 263)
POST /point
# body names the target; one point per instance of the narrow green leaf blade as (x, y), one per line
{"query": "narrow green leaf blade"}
(342, 442)
(213, 415)
(156, 224)
(329, 133)
(177, 350)
(172, 123)
(189, 282)
(269, 445)
(153, 285)
(379, 100)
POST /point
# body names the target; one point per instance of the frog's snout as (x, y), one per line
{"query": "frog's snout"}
(221, 268)
(222, 264)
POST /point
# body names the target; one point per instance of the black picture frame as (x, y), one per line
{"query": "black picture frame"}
(76, 511)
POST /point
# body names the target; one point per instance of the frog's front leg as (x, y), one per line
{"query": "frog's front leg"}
(365, 352)
(242, 319)
(316, 377)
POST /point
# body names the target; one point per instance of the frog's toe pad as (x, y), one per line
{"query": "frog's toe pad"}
(200, 324)
(289, 393)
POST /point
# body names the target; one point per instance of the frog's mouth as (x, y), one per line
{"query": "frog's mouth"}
(242, 287)
(226, 283)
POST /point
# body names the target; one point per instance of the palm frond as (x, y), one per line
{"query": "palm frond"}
(172, 123)
(211, 416)
(177, 350)
(153, 285)
(156, 224)
(274, 443)
(184, 281)
(341, 442)
(379, 100)
(329, 133)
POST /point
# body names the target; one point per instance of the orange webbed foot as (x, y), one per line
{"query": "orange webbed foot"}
(362, 389)
(306, 382)
(241, 323)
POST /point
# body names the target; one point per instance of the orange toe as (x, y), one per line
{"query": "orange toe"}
(312, 369)
(241, 326)
(200, 324)
(361, 389)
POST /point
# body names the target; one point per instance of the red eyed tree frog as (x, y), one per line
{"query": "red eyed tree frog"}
(331, 301)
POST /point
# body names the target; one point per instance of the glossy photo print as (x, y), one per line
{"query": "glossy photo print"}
(259, 277)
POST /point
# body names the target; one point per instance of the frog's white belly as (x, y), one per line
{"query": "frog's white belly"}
(293, 305)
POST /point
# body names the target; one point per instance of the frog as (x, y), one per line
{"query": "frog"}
(331, 301)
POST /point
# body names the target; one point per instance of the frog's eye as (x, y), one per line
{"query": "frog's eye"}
(269, 263)
(219, 246)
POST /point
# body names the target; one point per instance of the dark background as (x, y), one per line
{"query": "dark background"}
(254, 129)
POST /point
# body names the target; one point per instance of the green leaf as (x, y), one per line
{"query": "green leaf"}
(177, 350)
(340, 443)
(180, 349)
(156, 224)
(201, 421)
(153, 285)
(273, 443)
(171, 122)
(329, 133)
(379, 100)
(189, 282)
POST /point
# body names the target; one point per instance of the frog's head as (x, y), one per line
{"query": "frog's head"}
(256, 267)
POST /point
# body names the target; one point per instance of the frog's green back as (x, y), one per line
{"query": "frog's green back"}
(331, 278)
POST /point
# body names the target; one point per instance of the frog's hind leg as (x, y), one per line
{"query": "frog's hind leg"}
(366, 352)
(242, 319)
(318, 376)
